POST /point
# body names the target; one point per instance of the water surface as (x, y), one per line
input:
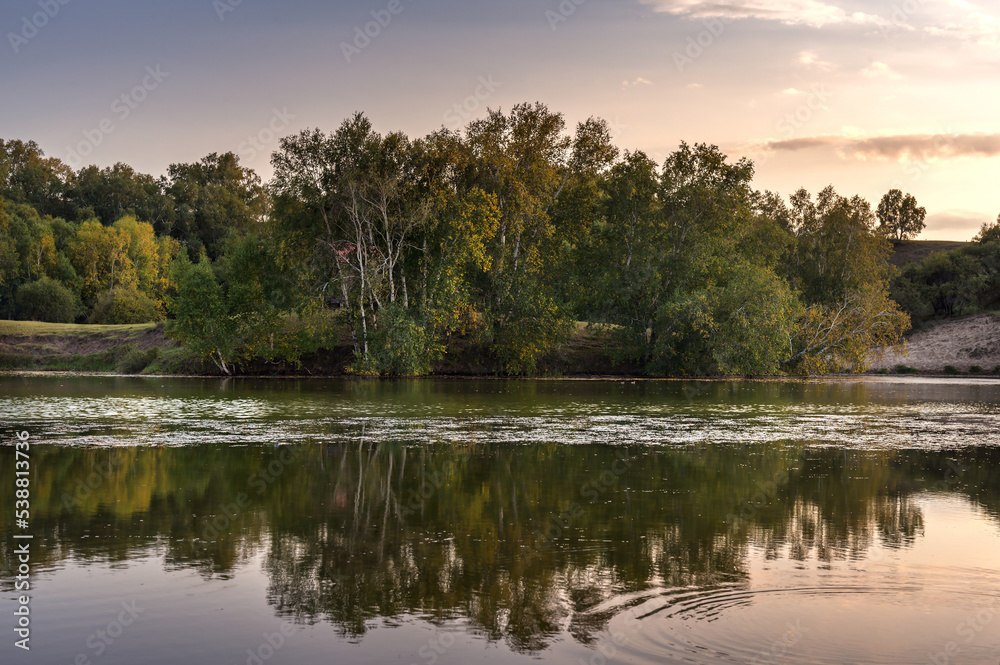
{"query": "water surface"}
(435, 522)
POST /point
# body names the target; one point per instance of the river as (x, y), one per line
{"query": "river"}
(432, 522)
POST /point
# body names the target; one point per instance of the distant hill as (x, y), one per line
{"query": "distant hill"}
(916, 250)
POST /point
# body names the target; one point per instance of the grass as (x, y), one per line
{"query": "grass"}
(911, 251)
(38, 329)
(30, 345)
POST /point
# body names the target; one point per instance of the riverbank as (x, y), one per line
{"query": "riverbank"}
(967, 346)
(27, 346)
(970, 345)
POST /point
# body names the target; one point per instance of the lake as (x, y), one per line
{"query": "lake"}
(434, 522)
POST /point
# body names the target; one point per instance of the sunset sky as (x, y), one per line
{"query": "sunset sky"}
(864, 96)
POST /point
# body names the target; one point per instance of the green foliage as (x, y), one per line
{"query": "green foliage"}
(118, 191)
(905, 369)
(899, 216)
(125, 305)
(201, 317)
(238, 309)
(214, 199)
(135, 359)
(46, 300)
(950, 369)
(956, 283)
(976, 369)
(497, 238)
(399, 347)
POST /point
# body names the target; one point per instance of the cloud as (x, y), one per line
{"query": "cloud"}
(813, 13)
(899, 147)
(879, 70)
(958, 220)
(637, 82)
(811, 59)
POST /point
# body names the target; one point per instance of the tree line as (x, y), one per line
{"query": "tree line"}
(504, 235)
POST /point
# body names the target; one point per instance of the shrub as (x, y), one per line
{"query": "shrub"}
(996, 370)
(950, 369)
(135, 360)
(904, 369)
(125, 306)
(975, 369)
(399, 347)
(47, 300)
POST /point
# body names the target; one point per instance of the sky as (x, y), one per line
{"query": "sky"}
(866, 96)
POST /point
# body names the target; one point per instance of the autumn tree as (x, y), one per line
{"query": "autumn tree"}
(899, 216)
(840, 266)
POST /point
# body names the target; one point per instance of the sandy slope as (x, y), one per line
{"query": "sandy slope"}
(963, 343)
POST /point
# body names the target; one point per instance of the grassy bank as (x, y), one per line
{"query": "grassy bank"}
(145, 349)
(29, 345)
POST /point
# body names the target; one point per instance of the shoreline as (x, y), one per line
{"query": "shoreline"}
(864, 376)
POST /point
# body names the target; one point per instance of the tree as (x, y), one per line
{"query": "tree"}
(236, 310)
(27, 176)
(526, 160)
(46, 300)
(840, 266)
(201, 317)
(350, 202)
(126, 305)
(988, 233)
(119, 191)
(214, 198)
(899, 216)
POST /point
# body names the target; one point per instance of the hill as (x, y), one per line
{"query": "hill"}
(964, 343)
(911, 251)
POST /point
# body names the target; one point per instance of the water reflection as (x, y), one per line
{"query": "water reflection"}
(521, 543)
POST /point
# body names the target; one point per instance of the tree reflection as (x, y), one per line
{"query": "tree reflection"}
(519, 541)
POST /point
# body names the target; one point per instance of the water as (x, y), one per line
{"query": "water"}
(437, 522)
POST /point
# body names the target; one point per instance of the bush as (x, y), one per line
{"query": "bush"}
(399, 347)
(125, 306)
(975, 369)
(47, 300)
(904, 369)
(135, 360)
(950, 369)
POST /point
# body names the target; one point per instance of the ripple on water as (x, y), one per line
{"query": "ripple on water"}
(884, 621)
